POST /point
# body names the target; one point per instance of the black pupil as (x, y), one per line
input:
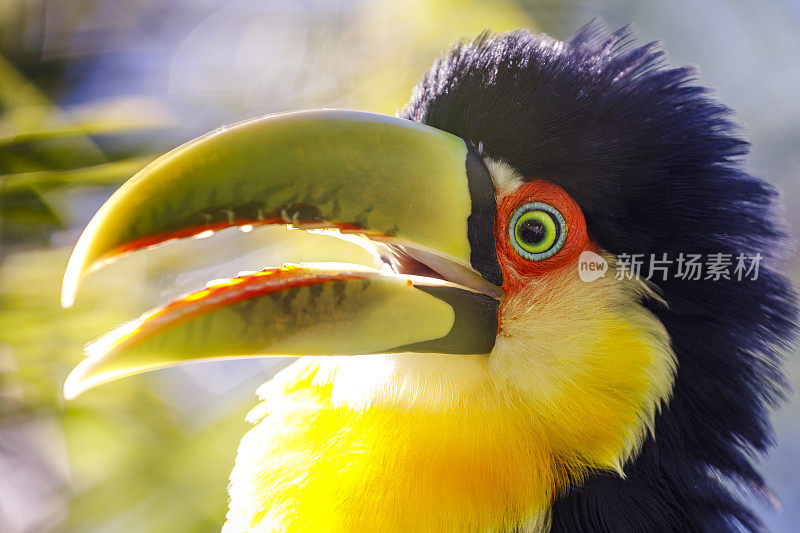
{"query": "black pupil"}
(532, 231)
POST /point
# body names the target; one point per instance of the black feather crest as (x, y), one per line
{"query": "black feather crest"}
(657, 166)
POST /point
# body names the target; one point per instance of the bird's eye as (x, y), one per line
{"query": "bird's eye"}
(537, 231)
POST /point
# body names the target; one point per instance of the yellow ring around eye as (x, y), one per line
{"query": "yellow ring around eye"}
(547, 240)
(537, 231)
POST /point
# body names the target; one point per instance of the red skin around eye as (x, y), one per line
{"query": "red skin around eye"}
(516, 269)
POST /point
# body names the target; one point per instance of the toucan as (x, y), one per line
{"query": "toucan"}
(501, 366)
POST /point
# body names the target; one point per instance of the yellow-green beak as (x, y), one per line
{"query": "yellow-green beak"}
(422, 195)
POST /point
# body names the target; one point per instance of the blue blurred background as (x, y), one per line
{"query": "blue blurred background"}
(91, 90)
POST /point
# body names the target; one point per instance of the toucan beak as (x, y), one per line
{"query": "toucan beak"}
(422, 195)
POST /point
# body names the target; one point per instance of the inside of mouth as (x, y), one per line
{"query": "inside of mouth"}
(413, 261)
(404, 258)
(390, 255)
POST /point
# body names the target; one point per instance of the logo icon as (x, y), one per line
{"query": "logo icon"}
(591, 266)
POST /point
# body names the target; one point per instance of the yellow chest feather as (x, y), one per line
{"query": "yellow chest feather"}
(327, 469)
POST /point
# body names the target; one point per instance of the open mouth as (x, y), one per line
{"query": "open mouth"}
(416, 197)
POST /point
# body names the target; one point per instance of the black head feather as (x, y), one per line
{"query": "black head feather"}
(657, 167)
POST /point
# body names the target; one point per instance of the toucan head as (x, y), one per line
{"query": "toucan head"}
(517, 157)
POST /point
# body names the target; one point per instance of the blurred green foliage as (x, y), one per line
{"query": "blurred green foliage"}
(44, 151)
(131, 461)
